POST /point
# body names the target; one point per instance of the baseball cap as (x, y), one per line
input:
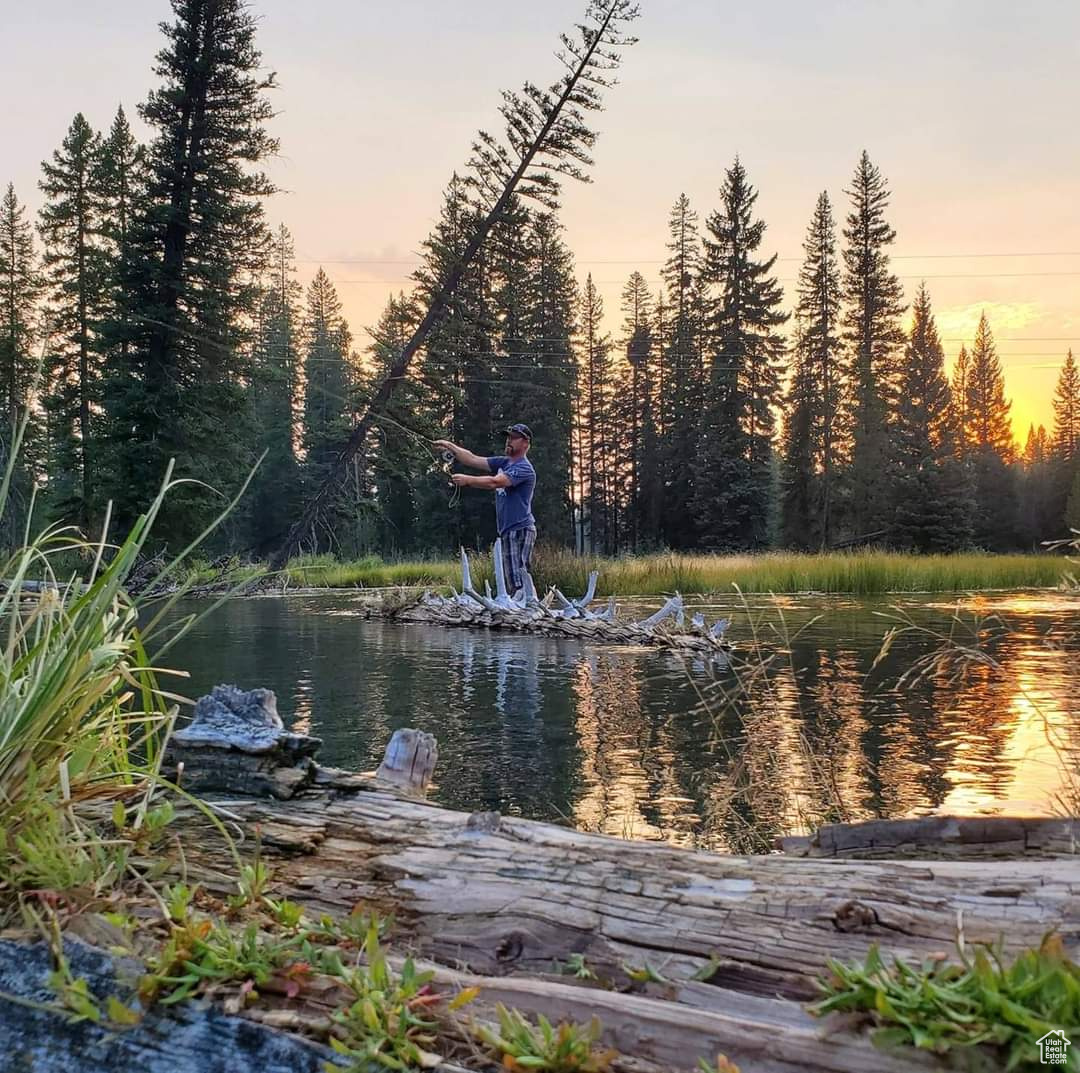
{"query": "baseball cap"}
(520, 430)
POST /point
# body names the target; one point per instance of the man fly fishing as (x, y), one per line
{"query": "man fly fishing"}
(513, 479)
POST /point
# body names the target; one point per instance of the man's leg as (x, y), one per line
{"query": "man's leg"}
(511, 561)
(521, 546)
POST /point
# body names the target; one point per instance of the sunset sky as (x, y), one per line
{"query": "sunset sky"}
(967, 106)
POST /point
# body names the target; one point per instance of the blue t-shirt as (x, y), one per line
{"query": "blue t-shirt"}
(513, 505)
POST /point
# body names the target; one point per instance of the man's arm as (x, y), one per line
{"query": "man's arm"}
(499, 480)
(466, 458)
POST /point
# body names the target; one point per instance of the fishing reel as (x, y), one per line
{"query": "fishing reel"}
(448, 457)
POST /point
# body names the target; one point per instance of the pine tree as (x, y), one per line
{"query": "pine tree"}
(991, 444)
(746, 362)
(1067, 410)
(638, 428)
(873, 332)
(273, 498)
(71, 227)
(987, 406)
(1063, 453)
(933, 505)
(328, 403)
(799, 508)
(191, 284)
(550, 326)
(961, 417)
(681, 376)
(815, 439)
(121, 180)
(592, 424)
(20, 289)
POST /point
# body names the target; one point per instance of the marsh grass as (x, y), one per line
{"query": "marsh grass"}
(82, 708)
(860, 573)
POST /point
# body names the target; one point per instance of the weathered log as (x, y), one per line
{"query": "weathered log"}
(512, 898)
(935, 837)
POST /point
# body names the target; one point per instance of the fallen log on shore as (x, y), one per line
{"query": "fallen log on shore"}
(695, 953)
(942, 837)
(730, 946)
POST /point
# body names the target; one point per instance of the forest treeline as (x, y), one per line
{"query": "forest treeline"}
(722, 414)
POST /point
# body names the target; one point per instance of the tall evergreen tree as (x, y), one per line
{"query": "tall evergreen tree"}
(1067, 410)
(592, 424)
(991, 444)
(71, 226)
(961, 417)
(734, 490)
(1063, 461)
(873, 332)
(681, 376)
(328, 403)
(198, 248)
(20, 289)
(549, 331)
(815, 437)
(273, 498)
(637, 428)
(933, 505)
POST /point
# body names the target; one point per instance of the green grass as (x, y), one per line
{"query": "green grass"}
(861, 573)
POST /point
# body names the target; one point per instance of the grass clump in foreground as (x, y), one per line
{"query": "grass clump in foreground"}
(860, 573)
(986, 1008)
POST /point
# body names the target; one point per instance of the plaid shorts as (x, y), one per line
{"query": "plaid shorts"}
(517, 548)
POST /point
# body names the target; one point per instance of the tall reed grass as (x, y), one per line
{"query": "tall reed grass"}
(860, 573)
(82, 710)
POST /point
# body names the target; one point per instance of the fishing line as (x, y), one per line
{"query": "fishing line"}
(448, 457)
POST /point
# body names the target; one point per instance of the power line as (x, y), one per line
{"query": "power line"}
(643, 261)
(779, 279)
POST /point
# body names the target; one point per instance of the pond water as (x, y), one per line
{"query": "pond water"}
(816, 726)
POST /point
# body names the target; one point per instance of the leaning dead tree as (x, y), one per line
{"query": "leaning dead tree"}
(546, 137)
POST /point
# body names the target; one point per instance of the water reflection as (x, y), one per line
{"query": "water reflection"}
(641, 744)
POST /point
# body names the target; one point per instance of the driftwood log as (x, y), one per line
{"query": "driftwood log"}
(603, 631)
(736, 941)
(558, 616)
(942, 837)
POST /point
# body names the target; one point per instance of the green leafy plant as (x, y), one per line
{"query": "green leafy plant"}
(984, 1001)
(576, 967)
(569, 1048)
(385, 1025)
